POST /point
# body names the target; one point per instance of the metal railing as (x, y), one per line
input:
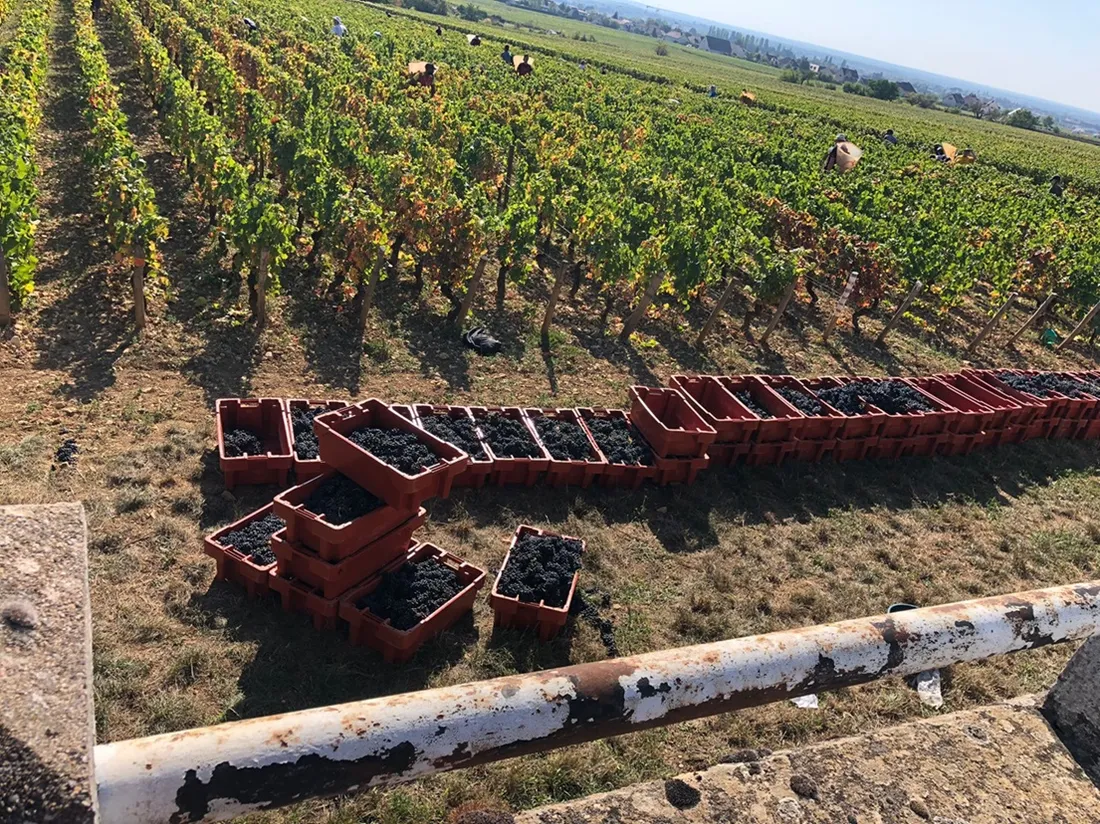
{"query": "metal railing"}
(220, 772)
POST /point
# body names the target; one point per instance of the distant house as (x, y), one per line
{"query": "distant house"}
(719, 46)
(815, 68)
(828, 74)
(991, 109)
(675, 36)
(906, 88)
(954, 99)
(737, 51)
(971, 100)
(849, 75)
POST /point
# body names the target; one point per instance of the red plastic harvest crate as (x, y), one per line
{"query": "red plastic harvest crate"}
(397, 645)
(513, 471)
(679, 470)
(306, 468)
(671, 424)
(1050, 414)
(868, 424)
(786, 422)
(480, 468)
(628, 476)
(298, 596)
(1006, 412)
(236, 567)
(569, 472)
(729, 418)
(333, 542)
(911, 424)
(826, 426)
(336, 578)
(510, 612)
(267, 418)
(405, 492)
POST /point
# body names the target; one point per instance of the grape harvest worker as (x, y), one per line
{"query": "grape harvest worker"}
(525, 66)
(712, 91)
(506, 55)
(843, 155)
(426, 77)
(251, 24)
(1057, 187)
(338, 28)
(96, 6)
(889, 137)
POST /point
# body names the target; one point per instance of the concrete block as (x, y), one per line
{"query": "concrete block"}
(1073, 707)
(47, 727)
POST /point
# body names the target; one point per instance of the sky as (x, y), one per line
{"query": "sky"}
(1049, 49)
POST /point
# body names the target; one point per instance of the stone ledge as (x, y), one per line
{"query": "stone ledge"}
(997, 765)
(47, 727)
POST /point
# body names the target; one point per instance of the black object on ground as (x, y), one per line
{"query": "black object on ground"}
(564, 440)
(1045, 384)
(746, 398)
(620, 441)
(681, 795)
(587, 605)
(401, 450)
(241, 442)
(508, 437)
(254, 539)
(66, 453)
(802, 401)
(745, 756)
(339, 500)
(892, 397)
(481, 341)
(410, 594)
(804, 786)
(541, 568)
(458, 432)
(305, 439)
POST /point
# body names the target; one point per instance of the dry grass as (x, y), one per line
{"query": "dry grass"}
(741, 552)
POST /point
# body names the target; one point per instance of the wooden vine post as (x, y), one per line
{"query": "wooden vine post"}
(552, 304)
(898, 315)
(137, 282)
(727, 293)
(774, 322)
(261, 287)
(643, 306)
(1038, 313)
(5, 291)
(1084, 322)
(369, 285)
(992, 322)
(840, 304)
(471, 290)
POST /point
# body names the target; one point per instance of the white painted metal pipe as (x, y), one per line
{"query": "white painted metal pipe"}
(221, 772)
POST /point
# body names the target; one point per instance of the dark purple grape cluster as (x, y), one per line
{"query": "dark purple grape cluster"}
(508, 438)
(541, 568)
(254, 539)
(241, 442)
(564, 440)
(620, 441)
(408, 595)
(401, 450)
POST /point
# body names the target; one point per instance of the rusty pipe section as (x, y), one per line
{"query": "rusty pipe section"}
(216, 773)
